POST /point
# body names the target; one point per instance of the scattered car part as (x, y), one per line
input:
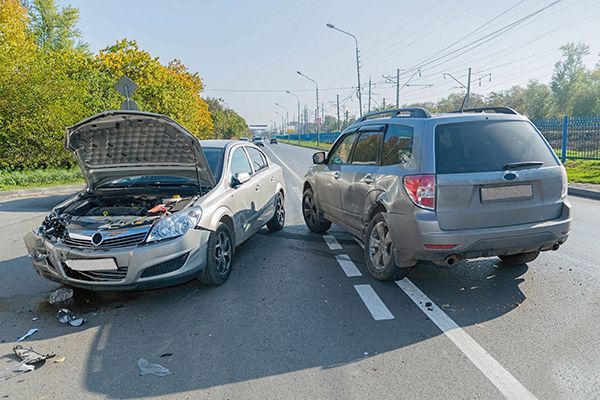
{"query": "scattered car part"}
(28, 334)
(147, 368)
(60, 295)
(65, 316)
(30, 356)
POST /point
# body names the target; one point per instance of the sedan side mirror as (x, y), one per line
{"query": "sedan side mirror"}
(319, 158)
(240, 178)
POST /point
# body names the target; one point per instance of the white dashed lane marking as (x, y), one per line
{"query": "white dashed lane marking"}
(347, 265)
(376, 307)
(332, 242)
(507, 384)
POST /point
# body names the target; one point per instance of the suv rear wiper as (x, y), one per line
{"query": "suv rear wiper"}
(523, 164)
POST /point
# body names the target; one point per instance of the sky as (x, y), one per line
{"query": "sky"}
(248, 52)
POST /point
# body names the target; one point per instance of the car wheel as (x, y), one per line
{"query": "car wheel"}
(219, 256)
(276, 223)
(521, 258)
(379, 251)
(311, 213)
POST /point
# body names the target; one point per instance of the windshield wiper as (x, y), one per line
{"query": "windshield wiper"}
(523, 164)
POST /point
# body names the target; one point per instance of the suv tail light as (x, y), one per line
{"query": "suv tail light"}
(421, 190)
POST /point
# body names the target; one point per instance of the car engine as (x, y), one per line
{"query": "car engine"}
(93, 212)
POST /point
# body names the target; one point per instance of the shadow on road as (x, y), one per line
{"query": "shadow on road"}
(287, 307)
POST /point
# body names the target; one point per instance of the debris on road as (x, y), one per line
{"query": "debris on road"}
(147, 368)
(23, 367)
(60, 295)
(59, 359)
(65, 316)
(30, 356)
(166, 355)
(34, 318)
(29, 333)
(491, 276)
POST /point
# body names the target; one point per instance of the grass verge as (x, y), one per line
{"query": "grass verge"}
(39, 177)
(583, 171)
(305, 143)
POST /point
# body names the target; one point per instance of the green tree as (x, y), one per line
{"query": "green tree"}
(54, 28)
(567, 72)
(227, 123)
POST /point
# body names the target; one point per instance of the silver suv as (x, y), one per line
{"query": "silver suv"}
(413, 186)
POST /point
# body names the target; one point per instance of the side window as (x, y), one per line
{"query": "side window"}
(341, 154)
(397, 147)
(258, 160)
(367, 148)
(239, 162)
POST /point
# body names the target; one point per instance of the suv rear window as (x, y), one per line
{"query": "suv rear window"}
(482, 146)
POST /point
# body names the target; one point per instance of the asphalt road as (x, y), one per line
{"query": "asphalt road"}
(294, 322)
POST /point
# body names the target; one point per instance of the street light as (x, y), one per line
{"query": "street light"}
(278, 113)
(317, 124)
(287, 117)
(357, 64)
(298, 122)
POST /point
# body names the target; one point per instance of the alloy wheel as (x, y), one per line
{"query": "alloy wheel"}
(223, 253)
(380, 246)
(309, 209)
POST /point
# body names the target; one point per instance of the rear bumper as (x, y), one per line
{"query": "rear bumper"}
(411, 232)
(140, 267)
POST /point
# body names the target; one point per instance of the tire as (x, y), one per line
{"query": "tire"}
(521, 258)
(278, 221)
(312, 215)
(219, 256)
(380, 259)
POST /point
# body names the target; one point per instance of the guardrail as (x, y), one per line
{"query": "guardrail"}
(570, 137)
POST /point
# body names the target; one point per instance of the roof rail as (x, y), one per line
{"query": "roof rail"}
(496, 109)
(414, 112)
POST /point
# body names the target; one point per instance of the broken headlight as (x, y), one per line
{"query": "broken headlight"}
(175, 225)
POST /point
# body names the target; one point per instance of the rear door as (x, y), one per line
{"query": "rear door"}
(493, 173)
(328, 180)
(358, 179)
(263, 180)
(245, 196)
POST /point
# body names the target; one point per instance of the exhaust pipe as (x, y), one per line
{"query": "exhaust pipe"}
(555, 246)
(450, 260)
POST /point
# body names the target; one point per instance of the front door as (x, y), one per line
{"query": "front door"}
(359, 179)
(246, 198)
(328, 180)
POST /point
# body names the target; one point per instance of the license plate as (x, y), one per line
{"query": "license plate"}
(94, 264)
(516, 192)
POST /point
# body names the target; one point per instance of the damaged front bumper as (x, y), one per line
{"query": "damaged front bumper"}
(140, 266)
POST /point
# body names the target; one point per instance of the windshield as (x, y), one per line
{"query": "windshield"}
(482, 146)
(149, 180)
(214, 156)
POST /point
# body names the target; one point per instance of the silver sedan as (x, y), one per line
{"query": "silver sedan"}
(160, 208)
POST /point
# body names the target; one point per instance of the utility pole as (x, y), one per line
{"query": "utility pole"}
(465, 102)
(323, 114)
(384, 104)
(369, 106)
(397, 87)
(338, 112)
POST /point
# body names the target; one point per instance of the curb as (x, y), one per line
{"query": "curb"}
(588, 194)
(41, 191)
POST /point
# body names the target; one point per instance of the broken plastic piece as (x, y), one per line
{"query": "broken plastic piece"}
(65, 316)
(29, 356)
(152, 369)
(23, 367)
(29, 333)
(60, 295)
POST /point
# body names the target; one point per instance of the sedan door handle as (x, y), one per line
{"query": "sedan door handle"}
(336, 175)
(257, 187)
(368, 179)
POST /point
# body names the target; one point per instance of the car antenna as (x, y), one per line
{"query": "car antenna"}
(126, 87)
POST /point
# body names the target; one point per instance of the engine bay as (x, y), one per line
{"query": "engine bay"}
(105, 212)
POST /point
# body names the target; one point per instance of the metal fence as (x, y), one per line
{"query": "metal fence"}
(570, 137)
(573, 137)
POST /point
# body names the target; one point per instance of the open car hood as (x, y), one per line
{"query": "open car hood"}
(118, 144)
